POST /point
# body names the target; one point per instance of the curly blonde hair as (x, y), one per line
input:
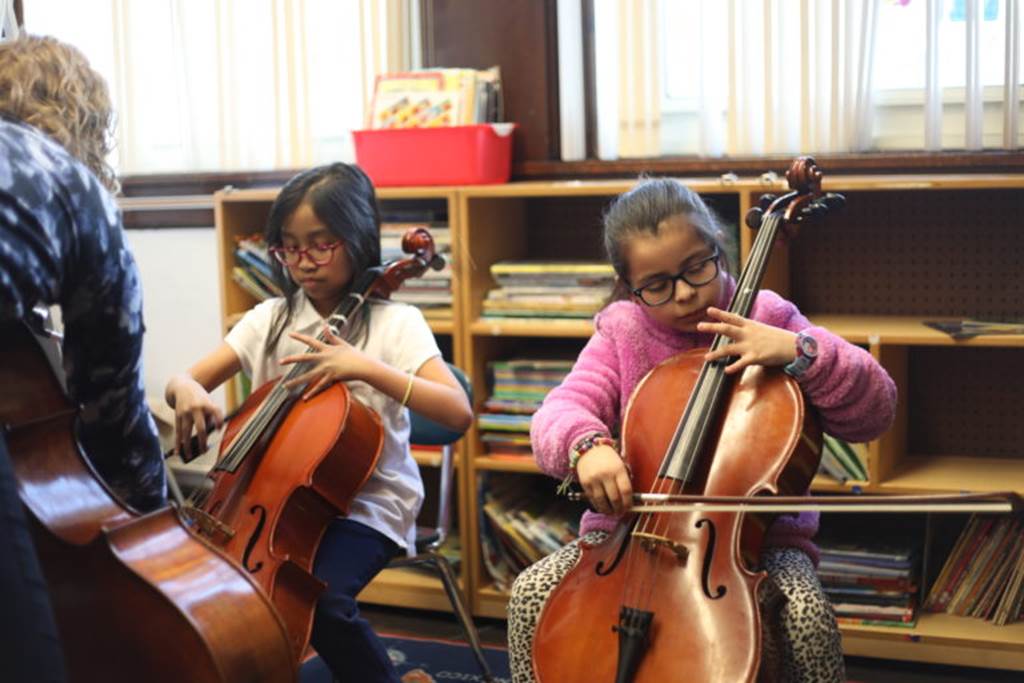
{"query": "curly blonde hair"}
(50, 85)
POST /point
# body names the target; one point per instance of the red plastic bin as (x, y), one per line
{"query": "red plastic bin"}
(455, 155)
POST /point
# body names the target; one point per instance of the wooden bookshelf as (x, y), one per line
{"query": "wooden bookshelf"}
(920, 248)
(906, 249)
(941, 639)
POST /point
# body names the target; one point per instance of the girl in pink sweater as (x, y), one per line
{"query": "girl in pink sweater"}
(672, 293)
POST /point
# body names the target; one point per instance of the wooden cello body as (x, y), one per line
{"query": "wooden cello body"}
(674, 597)
(279, 502)
(136, 597)
(687, 641)
(288, 467)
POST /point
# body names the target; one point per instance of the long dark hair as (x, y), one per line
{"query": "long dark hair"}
(341, 196)
(641, 209)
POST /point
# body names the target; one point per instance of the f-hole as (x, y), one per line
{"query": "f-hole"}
(262, 513)
(709, 551)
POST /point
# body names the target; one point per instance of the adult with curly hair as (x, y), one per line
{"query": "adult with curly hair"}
(61, 242)
(50, 86)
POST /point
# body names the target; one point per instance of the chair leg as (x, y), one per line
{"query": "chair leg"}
(463, 615)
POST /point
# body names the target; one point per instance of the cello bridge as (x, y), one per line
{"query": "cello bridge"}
(207, 525)
(651, 542)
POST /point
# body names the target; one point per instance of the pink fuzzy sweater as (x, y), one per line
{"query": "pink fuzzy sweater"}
(854, 396)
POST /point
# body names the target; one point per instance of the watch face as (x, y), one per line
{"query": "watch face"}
(808, 345)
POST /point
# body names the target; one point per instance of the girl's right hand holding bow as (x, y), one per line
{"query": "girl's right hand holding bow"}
(603, 475)
(193, 408)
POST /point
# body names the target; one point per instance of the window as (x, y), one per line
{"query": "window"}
(748, 77)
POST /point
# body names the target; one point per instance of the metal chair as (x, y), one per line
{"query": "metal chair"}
(430, 539)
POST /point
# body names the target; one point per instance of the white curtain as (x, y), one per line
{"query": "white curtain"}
(761, 77)
(628, 77)
(8, 21)
(1012, 77)
(233, 84)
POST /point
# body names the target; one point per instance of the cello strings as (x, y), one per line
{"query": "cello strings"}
(240, 447)
(254, 428)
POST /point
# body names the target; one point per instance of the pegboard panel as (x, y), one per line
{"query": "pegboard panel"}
(571, 227)
(920, 253)
(965, 401)
(566, 227)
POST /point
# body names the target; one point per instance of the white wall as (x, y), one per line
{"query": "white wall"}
(181, 301)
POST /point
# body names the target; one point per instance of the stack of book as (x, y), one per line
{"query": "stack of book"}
(843, 461)
(548, 289)
(870, 583)
(983, 576)
(436, 97)
(432, 291)
(519, 387)
(252, 270)
(520, 524)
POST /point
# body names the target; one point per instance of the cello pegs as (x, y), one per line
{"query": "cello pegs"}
(824, 204)
(754, 217)
(833, 201)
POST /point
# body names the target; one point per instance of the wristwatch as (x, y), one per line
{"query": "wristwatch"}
(806, 352)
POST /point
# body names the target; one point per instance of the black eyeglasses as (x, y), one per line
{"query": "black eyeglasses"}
(319, 254)
(698, 274)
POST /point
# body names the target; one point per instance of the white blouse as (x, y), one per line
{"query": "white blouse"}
(399, 336)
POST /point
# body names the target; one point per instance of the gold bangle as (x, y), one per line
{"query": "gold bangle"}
(408, 390)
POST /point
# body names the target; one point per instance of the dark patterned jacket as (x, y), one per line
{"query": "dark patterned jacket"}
(61, 242)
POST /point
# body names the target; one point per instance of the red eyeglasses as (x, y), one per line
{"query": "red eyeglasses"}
(319, 254)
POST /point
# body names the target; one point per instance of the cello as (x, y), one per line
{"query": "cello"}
(287, 467)
(136, 597)
(674, 596)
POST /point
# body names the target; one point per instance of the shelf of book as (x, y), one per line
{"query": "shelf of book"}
(936, 638)
(940, 639)
(427, 457)
(441, 326)
(906, 331)
(506, 463)
(407, 587)
(532, 327)
(917, 476)
(825, 484)
(491, 602)
(954, 474)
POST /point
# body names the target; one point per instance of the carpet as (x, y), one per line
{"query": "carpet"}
(428, 660)
(425, 660)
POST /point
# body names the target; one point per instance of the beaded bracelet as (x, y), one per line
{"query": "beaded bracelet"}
(585, 444)
(577, 451)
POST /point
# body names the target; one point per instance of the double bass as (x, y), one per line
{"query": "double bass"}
(136, 597)
(287, 467)
(674, 597)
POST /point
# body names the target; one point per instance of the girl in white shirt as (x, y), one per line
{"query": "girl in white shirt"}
(324, 229)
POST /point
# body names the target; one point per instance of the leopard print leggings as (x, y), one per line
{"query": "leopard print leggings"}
(808, 649)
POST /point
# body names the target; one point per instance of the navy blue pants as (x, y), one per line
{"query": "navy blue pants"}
(29, 647)
(350, 555)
